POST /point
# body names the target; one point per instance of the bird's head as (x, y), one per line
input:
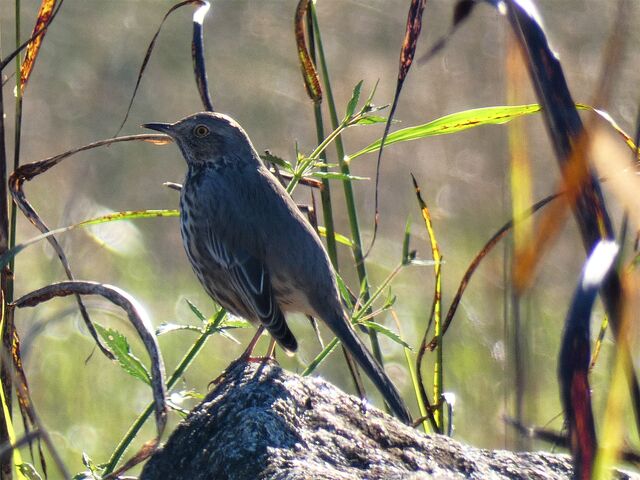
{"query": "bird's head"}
(209, 138)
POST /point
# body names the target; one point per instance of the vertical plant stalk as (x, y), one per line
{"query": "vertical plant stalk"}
(6, 279)
(521, 198)
(315, 93)
(325, 192)
(348, 187)
(7, 337)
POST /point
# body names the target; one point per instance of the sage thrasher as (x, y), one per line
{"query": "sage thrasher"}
(250, 246)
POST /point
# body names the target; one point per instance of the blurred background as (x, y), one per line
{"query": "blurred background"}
(79, 92)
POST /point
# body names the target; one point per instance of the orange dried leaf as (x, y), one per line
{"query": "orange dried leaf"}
(309, 72)
(44, 14)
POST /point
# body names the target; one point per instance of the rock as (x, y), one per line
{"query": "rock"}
(261, 422)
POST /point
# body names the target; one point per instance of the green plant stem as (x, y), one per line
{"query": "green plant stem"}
(424, 413)
(320, 357)
(348, 187)
(325, 195)
(175, 376)
(325, 192)
(304, 164)
(358, 317)
(438, 368)
(366, 307)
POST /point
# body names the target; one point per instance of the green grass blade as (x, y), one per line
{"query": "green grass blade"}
(320, 358)
(477, 117)
(6, 257)
(387, 332)
(454, 123)
(339, 237)
(348, 187)
(196, 311)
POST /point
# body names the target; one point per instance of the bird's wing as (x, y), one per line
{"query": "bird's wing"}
(249, 279)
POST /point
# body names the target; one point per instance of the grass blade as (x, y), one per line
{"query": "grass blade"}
(436, 315)
(477, 117)
(408, 50)
(6, 257)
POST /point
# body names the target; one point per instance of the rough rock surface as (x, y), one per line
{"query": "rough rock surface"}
(262, 422)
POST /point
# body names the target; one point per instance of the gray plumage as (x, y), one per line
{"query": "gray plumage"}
(249, 244)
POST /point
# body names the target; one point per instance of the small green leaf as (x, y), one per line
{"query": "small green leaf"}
(337, 176)
(368, 105)
(128, 215)
(344, 292)
(196, 311)
(92, 473)
(320, 357)
(85, 476)
(389, 301)
(385, 331)
(119, 345)
(281, 162)
(324, 164)
(339, 237)
(353, 103)
(173, 327)
(29, 472)
(405, 242)
(182, 395)
(88, 462)
(371, 119)
(234, 323)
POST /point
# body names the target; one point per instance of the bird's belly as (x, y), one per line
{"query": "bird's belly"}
(290, 298)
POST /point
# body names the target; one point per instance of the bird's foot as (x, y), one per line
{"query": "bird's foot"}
(265, 359)
(246, 357)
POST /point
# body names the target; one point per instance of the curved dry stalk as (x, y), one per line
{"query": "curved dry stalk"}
(407, 52)
(31, 170)
(140, 321)
(136, 314)
(493, 241)
(197, 53)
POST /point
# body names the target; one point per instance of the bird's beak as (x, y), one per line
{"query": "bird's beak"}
(166, 128)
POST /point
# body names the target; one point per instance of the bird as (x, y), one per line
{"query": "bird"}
(250, 246)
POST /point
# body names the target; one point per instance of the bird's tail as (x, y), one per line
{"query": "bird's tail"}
(341, 327)
(279, 330)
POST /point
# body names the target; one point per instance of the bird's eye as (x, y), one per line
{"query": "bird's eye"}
(201, 131)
